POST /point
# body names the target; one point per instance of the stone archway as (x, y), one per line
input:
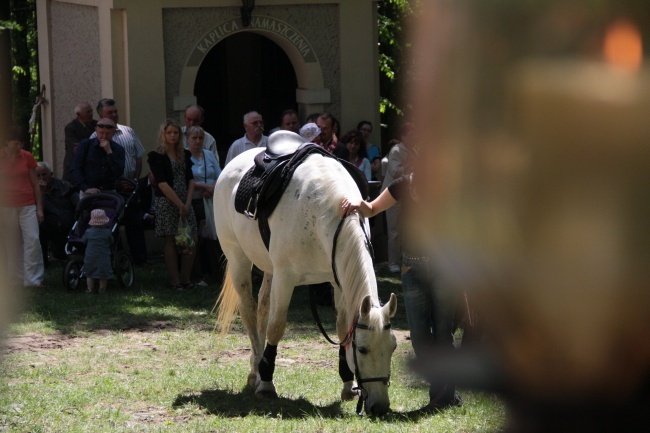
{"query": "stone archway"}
(310, 93)
(245, 71)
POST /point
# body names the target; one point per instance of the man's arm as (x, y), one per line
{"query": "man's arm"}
(138, 168)
(139, 151)
(115, 157)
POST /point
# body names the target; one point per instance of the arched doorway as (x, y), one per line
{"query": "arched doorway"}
(244, 72)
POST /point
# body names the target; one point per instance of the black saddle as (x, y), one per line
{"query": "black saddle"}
(261, 188)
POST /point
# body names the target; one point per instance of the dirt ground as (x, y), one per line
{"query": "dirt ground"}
(40, 342)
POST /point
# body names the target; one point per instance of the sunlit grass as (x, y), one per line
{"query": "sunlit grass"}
(148, 360)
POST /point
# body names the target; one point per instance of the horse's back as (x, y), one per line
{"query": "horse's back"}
(304, 221)
(302, 225)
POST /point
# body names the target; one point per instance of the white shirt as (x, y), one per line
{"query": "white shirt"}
(242, 145)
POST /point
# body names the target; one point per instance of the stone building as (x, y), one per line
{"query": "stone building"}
(157, 56)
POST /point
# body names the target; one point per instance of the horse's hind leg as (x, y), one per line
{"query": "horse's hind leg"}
(279, 299)
(241, 277)
(263, 306)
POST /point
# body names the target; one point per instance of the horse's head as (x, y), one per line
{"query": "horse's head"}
(369, 353)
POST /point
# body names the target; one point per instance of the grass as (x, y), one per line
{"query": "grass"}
(148, 360)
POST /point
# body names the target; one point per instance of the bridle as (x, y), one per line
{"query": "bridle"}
(352, 333)
(352, 338)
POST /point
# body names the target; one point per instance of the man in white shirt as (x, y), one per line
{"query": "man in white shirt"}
(194, 116)
(254, 127)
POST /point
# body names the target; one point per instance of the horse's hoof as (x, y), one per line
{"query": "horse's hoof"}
(347, 395)
(265, 390)
(348, 392)
(252, 380)
(266, 395)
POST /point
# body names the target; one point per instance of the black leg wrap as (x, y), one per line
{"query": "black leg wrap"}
(267, 364)
(344, 370)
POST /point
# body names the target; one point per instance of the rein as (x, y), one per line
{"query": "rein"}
(312, 302)
(352, 333)
(336, 238)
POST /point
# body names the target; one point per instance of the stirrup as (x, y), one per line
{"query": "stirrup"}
(247, 213)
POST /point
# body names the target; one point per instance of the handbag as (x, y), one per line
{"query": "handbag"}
(183, 238)
(208, 231)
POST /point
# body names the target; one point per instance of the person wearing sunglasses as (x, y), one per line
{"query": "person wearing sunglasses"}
(98, 162)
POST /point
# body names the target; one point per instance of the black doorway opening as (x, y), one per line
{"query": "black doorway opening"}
(244, 72)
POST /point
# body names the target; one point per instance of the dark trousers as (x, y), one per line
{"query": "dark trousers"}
(134, 229)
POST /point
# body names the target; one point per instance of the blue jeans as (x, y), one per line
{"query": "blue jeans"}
(430, 311)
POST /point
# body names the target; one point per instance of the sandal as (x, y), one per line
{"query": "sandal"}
(178, 286)
(189, 286)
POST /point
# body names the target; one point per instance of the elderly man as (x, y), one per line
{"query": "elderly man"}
(194, 116)
(254, 127)
(99, 161)
(125, 137)
(81, 127)
(59, 204)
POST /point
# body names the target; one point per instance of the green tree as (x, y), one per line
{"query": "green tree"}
(394, 17)
(20, 25)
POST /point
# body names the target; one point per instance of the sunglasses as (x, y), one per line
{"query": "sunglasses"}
(103, 126)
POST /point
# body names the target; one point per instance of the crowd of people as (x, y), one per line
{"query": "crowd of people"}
(177, 187)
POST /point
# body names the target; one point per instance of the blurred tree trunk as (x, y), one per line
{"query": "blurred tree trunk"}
(5, 68)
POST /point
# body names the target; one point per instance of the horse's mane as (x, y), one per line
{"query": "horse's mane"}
(355, 271)
(354, 263)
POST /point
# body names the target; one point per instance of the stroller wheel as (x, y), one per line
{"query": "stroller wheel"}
(123, 269)
(72, 277)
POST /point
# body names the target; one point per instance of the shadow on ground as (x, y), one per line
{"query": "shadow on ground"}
(233, 404)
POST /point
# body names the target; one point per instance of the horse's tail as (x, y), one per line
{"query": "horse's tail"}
(226, 304)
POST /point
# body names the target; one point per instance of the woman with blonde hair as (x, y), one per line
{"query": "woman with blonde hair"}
(171, 167)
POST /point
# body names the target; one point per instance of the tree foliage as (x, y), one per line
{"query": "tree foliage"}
(393, 19)
(21, 26)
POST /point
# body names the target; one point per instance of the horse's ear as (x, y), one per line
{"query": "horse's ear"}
(366, 306)
(391, 306)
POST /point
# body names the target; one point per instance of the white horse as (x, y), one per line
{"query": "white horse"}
(303, 228)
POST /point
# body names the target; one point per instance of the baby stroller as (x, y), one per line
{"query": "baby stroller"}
(114, 204)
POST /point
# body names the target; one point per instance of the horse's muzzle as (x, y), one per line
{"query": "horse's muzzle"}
(378, 408)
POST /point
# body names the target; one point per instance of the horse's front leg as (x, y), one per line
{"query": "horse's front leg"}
(347, 376)
(263, 307)
(279, 299)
